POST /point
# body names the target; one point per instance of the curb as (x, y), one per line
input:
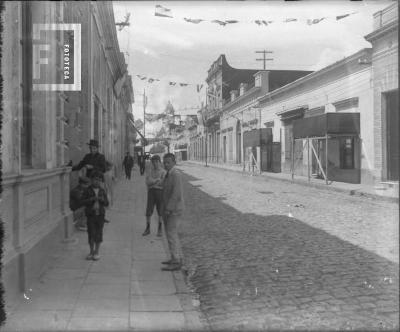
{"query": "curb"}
(192, 314)
(351, 192)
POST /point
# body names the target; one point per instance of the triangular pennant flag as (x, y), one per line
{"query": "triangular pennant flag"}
(183, 84)
(231, 21)
(140, 76)
(343, 16)
(162, 11)
(172, 83)
(315, 21)
(143, 78)
(291, 20)
(199, 87)
(219, 22)
(193, 20)
(151, 80)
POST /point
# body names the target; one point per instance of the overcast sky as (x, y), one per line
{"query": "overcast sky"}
(173, 50)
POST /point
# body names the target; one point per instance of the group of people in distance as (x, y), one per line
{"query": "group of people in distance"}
(164, 191)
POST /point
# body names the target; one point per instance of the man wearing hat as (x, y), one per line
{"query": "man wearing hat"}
(93, 160)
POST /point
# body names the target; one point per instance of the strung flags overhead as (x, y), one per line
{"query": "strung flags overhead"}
(171, 83)
(259, 22)
(315, 21)
(195, 20)
(163, 11)
(343, 16)
(150, 117)
(166, 12)
(219, 22)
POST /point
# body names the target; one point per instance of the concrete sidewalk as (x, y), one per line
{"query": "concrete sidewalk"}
(125, 290)
(390, 192)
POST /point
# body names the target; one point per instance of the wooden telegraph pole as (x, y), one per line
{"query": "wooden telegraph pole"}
(144, 119)
(264, 59)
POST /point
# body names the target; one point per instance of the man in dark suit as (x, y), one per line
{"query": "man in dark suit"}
(93, 160)
(128, 164)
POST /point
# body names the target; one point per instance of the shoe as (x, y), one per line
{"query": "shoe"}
(172, 267)
(89, 257)
(96, 257)
(168, 262)
(106, 221)
(146, 232)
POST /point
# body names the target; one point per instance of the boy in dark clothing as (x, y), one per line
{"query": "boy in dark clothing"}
(95, 199)
(75, 202)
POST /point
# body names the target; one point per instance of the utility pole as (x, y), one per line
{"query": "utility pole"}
(144, 119)
(264, 59)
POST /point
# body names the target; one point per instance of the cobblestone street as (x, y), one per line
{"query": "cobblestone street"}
(266, 254)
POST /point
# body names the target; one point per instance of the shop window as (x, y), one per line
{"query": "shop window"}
(347, 153)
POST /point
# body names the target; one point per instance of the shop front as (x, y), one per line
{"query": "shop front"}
(331, 147)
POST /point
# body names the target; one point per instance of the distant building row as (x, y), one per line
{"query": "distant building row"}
(339, 123)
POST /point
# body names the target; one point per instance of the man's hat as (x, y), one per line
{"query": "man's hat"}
(93, 142)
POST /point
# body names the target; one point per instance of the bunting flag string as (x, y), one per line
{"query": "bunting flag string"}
(162, 11)
(171, 83)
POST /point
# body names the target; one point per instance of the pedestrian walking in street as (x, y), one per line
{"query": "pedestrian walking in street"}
(141, 162)
(128, 165)
(154, 178)
(93, 160)
(95, 199)
(173, 206)
(75, 202)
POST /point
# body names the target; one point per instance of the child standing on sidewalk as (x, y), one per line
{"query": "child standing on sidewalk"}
(154, 178)
(95, 199)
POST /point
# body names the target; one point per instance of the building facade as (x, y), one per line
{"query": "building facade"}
(35, 198)
(100, 110)
(231, 119)
(384, 40)
(43, 129)
(343, 87)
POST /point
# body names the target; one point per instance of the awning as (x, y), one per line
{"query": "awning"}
(334, 124)
(293, 113)
(257, 137)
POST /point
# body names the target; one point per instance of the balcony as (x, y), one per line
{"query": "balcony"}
(385, 16)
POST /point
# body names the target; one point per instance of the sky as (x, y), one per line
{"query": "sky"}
(173, 50)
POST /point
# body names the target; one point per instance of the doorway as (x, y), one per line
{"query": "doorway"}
(391, 103)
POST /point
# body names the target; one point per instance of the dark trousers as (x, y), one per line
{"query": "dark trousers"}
(128, 171)
(142, 167)
(95, 225)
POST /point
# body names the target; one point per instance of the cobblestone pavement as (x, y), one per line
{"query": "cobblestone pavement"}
(268, 255)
